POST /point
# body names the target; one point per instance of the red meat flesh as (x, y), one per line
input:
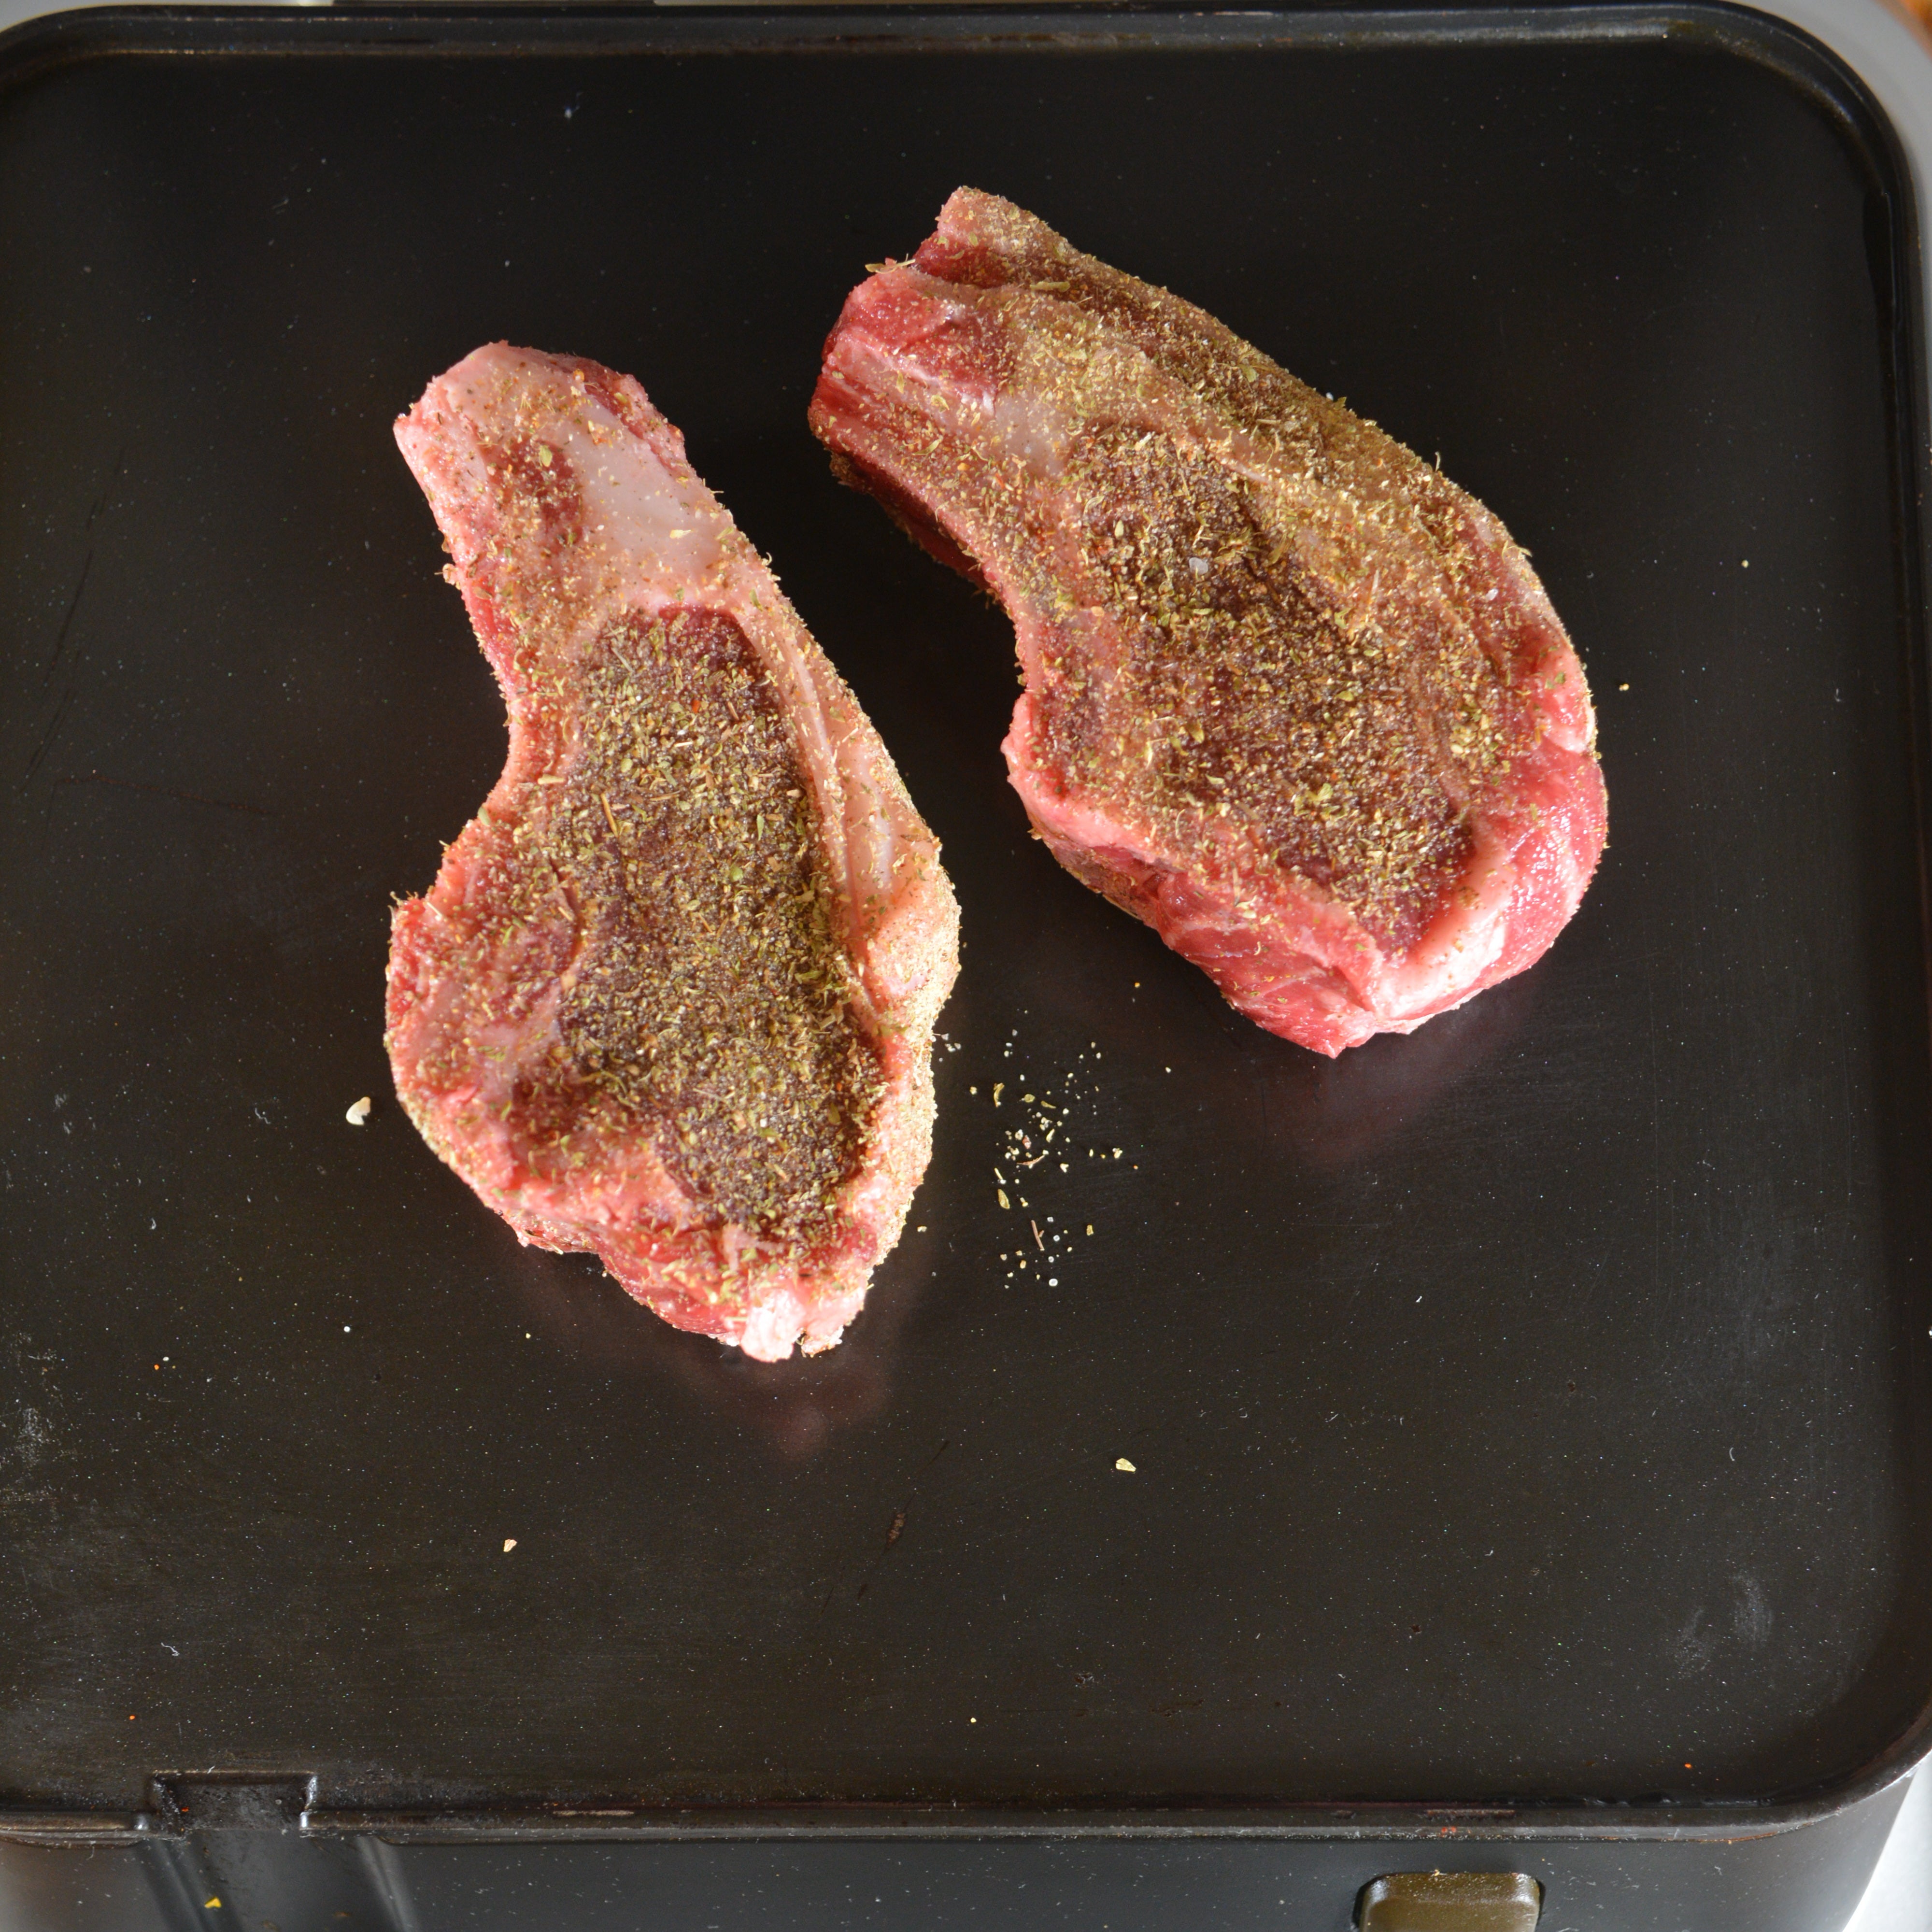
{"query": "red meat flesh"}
(671, 999)
(1291, 696)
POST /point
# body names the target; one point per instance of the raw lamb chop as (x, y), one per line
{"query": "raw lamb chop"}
(1290, 697)
(671, 999)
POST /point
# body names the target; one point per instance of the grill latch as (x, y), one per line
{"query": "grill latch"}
(1437, 1901)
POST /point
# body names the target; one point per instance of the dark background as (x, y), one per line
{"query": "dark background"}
(1535, 1407)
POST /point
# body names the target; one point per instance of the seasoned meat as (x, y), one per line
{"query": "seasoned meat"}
(1291, 696)
(671, 999)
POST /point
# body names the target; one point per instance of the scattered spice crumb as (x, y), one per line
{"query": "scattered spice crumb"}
(1055, 1107)
(357, 1114)
(1121, 1463)
(509, 1543)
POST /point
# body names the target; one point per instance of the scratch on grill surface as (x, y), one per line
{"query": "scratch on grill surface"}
(100, 502)
(160, 791)
(894, 1531)
(66, 623)
(48, 736)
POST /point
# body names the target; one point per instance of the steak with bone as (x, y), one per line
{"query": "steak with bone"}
(1290, 696)
(671, 999)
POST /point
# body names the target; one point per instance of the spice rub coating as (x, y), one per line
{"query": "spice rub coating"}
(1290, 695)
(670, 998)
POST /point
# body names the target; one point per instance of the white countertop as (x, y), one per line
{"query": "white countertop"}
(1900, 1897)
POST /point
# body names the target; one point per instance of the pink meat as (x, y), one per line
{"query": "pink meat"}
(1291, 696)
(671, 999)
